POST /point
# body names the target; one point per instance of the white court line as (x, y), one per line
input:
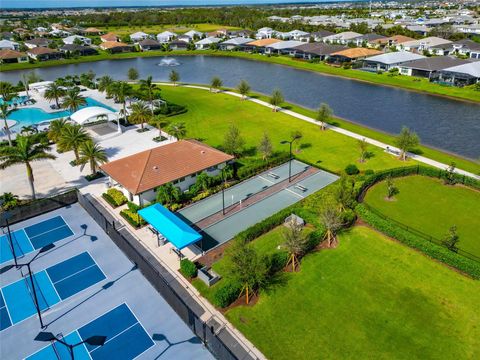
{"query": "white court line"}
(83, 345)
(293, 192)
(270, 181)
(75, 273)
(6, 307)
(53, 285)
(146, 332)
(49, 231)
(117, 335)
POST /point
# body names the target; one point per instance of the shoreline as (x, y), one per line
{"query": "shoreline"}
(278, 60)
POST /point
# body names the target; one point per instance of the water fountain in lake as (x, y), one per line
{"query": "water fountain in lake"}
(169, 62)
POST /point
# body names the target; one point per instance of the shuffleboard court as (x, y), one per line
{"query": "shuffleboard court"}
(52, 285)
(34, 237)
(126, 338)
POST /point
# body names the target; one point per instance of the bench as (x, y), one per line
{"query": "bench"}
(300, 187)
(154, 232)
(273, 175)
(178, 252)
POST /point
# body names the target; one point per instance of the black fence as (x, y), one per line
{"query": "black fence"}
(218, 341)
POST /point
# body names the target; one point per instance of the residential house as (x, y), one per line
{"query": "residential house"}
(392, 41)
(422, 44)
(419, 29)
(368, 39)
(9, 45)
(138, 36)
(460, 75)
(116, 47)
(8, 56)
(428, 66)
(464, 47)
(7, 35)
(234, 43)
(221, 33)
(468, 29)
(283, 47)
(343, 38)
(138, 176)
(92, 31)
(319, 35)
(59, 33)
(149, 44)
(37, 42)
(387, 61)
(193, 34)
(265, 33)
(77, 39)
(207, 43)
(109, 37)
(166, 37)
(259, 45)
(42, 54)
(298, 35)
(178, 45)
(351, 55)
(76, 49)
(319, 51)
(240, 33)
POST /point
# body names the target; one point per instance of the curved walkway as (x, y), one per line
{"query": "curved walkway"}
(389, 148)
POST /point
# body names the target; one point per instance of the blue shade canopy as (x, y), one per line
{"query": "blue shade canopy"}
(169, 225)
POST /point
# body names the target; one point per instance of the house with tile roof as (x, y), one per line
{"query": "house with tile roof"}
(139, 175)
(351, 55)
(8, 56)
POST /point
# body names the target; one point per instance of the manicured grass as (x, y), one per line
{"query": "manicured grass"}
(406, 82)
(210, 115)
(155, 29)
(427, 205)
(368, 298)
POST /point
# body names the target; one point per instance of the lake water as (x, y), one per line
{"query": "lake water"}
(443, 123)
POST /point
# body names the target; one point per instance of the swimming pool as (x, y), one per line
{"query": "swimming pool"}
(15, 100)
(33, 115)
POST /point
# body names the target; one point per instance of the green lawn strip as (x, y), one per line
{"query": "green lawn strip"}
(406, 82)
(210, 115)
(367, 298)
(427, 205)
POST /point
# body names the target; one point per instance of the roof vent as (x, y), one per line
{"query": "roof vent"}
(203, 151)
(155, 167)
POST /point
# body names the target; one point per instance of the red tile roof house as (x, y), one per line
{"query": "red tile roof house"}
(139, 175)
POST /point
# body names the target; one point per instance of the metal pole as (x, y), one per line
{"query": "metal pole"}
(70, 348)
(11, 243)
(290, 164)
(223, 194)
(35, 295)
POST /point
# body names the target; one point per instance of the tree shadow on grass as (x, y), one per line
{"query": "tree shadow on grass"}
(251, 151)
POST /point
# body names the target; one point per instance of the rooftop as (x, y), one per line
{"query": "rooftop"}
(395, 57)
(112, 44)
(263, 42)
(435, 63)
(472, 69)
(151, 168)
(357, 53)
(10, 54)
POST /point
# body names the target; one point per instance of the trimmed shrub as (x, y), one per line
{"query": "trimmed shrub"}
(114, 197)
(257, 167)
(226, 293)
(133, 218)
(433, 250)
(352, 169)
(133, 207)
(188, 268)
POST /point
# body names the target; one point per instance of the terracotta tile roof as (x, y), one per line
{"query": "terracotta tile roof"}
(93, 30)
(355, 53)
(109, 37)
(10, 54)
(149, 169)
(396, 39)
(263, 42)
(112, 44)
(41, 50)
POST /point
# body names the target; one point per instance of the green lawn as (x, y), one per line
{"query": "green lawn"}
(210, 115)
(368, 298)
(429, 206)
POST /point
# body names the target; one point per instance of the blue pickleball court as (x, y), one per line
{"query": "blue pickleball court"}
(34, 237)
(126, 339)
(52, 285)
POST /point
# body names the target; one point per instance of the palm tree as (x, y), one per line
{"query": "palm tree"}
(174, 77)
(177, 130)
(73, 100)
(121, 91)
(54, 92)
(55, 129)
(276, 99)
(71, 138)
(243, 88)
(5, 111)
(6, 90)
(159, 122)
(29, 130)
(93, 154)
(149, 87)
(104, 84)
(216, 83)
(25, 151)
(140, 113)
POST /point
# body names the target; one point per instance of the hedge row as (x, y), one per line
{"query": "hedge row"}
(254, 168)
(433, 250)
(115, 197)
(132, 218)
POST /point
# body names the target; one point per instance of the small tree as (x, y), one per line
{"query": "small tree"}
(324, 114)
(203, 181)
(406, 141)
(451, 239)
(174, 77)
(276, 99)
(132, 74)
(178, 130)
(168, 193)
(363, 147)
(296, 137)
(233, 141)
(265, 147)
(247, 267)
(216, 84)
(243, 88)
(450, 178)
(332, 222)
(296, 243)
(345, 193)
(392, 190)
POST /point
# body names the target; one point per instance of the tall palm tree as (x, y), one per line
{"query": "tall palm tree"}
(120, 90)
(54, 92)
(140, 113)
(104, 84)
(6, 90)
(25, 151)
(177, 130)
(149, 87)
(55, 129)
(5, 112)
(71, 138)
(93, 154)
(73, 100)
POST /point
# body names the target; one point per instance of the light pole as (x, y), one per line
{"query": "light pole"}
(30, 275)
(95, 340)
(6, 216)
(294, 137)
(223, 191)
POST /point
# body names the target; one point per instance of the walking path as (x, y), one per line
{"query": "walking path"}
(389, 148)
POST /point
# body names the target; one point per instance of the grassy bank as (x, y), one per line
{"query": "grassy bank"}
(405, 82)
